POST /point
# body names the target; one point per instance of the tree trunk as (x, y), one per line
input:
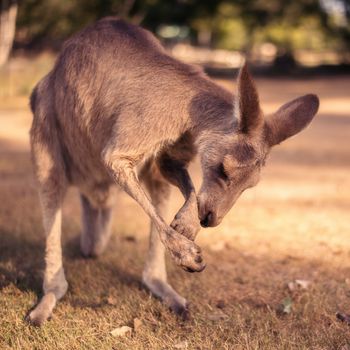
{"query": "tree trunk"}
(8, 13)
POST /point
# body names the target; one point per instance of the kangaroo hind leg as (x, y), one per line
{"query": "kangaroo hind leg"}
(52, 184)
(96, 220)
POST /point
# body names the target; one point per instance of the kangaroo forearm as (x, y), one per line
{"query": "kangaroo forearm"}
(184, 252)
(186, 220)
(176, 173)
(182, 180)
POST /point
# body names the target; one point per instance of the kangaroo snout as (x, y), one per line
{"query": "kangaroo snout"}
(208, 218)
(210, 213)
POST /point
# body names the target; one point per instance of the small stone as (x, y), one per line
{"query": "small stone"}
(181, 345)
(220, 304)
(303, 284)
(121, 331)
(217, 316)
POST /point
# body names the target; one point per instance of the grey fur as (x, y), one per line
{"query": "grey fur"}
(115, 101)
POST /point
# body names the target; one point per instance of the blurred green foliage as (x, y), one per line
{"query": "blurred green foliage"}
(235, 24)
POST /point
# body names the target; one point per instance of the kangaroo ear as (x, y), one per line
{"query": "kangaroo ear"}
(291, 118)
(247, 107)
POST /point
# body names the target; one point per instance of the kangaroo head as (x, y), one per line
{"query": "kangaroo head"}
(232, 163)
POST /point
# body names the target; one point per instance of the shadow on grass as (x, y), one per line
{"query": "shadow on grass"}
(20, 262)
(231, 275)
(22, 242)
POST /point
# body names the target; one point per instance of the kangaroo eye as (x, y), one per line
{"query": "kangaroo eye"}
(221, 172)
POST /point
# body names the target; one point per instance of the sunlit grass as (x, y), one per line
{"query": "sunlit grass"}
(293, 225)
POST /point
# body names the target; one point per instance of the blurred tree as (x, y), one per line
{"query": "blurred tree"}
(8, 13)
(231, 24)
(46, 23)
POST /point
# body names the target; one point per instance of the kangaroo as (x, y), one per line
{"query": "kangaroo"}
(116, 109)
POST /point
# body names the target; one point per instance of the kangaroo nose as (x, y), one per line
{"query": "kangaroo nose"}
(206, 221)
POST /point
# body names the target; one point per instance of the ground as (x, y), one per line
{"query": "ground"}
(293, 226)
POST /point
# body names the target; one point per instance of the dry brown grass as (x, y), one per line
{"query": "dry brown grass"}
(294, 225)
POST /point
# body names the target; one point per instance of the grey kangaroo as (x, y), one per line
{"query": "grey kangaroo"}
(117, 109)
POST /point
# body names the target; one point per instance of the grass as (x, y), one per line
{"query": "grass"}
(19, 76)
(293, 225)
